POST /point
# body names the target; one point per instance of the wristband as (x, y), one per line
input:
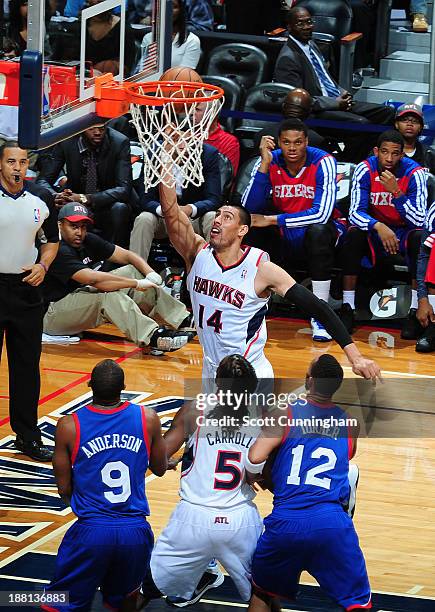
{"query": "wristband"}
(396, 193)
(44, 266)
(253, 468)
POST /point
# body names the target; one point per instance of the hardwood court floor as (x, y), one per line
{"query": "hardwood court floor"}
(395, 515)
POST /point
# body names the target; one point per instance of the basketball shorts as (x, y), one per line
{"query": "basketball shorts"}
(325, 544)
(263, 370)
(295, 237)
(195, 535)
(376, 247)
(99, 555)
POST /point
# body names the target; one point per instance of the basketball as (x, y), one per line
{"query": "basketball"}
(181, 73)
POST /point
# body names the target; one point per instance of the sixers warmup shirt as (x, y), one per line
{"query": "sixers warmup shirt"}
(110, 459)
(229, 315)
(304, 199)
(371, 202)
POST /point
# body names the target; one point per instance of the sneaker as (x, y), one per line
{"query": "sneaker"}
(34, 449)
(426, 342)
(347, 316)
(47, 339)
(319, 332)
(419, 23)
(188, 326)
(167, 340)
(353, 484)
(411, 328)
(209, 580)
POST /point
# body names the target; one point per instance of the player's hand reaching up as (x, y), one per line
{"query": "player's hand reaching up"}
(367, 368)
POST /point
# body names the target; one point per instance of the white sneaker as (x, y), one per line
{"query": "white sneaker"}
(319, 332)
(47, 339)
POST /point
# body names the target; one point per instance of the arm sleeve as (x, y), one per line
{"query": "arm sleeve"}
(287, 70)
(122, 178)
(51, 164)
(318, 309)
(412, 205)
(422, 261)
(324, 198)
(211, 187)
(359, 199)
(257, 192)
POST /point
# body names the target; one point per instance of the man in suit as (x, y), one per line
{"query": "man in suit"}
(300, 63)
(199, 204)
(98, 175)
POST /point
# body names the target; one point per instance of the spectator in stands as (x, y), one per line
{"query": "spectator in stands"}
(17, 28)
(301, 64)
(426, 285)
(252, 16)
(410, 123)
(388, 206)
(223, 141)
(418, 10)
(199, 15)
(186, 46)
(129, 297)
(197, 202)
(364, 21)
(303, 182)
(298, 104)
(102, 42)
(98, 173)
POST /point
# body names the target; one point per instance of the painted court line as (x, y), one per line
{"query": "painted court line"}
(24, 579)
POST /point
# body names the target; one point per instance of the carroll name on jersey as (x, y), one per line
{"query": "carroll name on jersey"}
(229, 436)
(219, 291)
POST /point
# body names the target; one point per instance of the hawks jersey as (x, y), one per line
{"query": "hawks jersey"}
(229, 315)
(312, 463)
(371, 202)
(109, 461)
(213, 472)
(304, 199)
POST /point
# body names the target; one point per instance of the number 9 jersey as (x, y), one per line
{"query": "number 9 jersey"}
(109, 461)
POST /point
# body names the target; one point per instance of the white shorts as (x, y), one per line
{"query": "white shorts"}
(194, 536)
(263, 370)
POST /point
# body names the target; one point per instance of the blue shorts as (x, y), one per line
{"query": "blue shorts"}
(325, 545)
(376, 247)
(93, 555)
(295, 237)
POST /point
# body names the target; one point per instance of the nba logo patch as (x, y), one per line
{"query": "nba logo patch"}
(244, 273)
(36, 215)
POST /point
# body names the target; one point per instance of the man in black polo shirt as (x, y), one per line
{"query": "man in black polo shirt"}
(22, 270)
(79, 296)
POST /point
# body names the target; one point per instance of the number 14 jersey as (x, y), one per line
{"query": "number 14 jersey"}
(229, 315)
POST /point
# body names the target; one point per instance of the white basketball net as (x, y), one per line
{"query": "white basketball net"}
(175, 130)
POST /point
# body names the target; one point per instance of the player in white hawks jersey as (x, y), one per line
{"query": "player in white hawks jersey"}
(230, 284)
(216, 517)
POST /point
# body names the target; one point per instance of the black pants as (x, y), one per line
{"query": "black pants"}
(21, 312)
(114, 223)
(358, 144)
(364, 21)
(356, 246)
(318, 250)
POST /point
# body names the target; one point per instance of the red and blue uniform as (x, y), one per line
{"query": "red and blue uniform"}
(110, 544)
(302, 200)
(308, 528)
(372, 203)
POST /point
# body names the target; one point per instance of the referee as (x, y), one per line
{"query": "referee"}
(22, 270)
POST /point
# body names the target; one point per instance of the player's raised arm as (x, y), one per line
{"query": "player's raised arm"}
(180, 230)
(272, 277)
(183, 424)
(158, 461)
(62, 463)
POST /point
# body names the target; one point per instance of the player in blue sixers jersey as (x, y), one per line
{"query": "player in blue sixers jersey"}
(101, 456)
(387, 211)
(309, 528)
(303, 183)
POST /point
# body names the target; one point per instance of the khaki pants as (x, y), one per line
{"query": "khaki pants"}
(148, 226)
(133, 312)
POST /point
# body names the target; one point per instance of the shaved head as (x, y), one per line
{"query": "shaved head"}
(297, 104)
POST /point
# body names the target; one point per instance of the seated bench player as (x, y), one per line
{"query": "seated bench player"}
(303, 181)
(426, 285)
(387, 210)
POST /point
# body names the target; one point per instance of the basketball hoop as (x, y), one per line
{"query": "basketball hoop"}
(172, 119)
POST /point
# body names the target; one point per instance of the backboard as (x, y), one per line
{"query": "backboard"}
(56, 96)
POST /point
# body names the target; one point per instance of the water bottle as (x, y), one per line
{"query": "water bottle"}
(176, 287)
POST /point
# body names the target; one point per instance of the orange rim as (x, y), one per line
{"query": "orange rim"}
(145, 97)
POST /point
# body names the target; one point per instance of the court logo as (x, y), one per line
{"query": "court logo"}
(383, 303)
